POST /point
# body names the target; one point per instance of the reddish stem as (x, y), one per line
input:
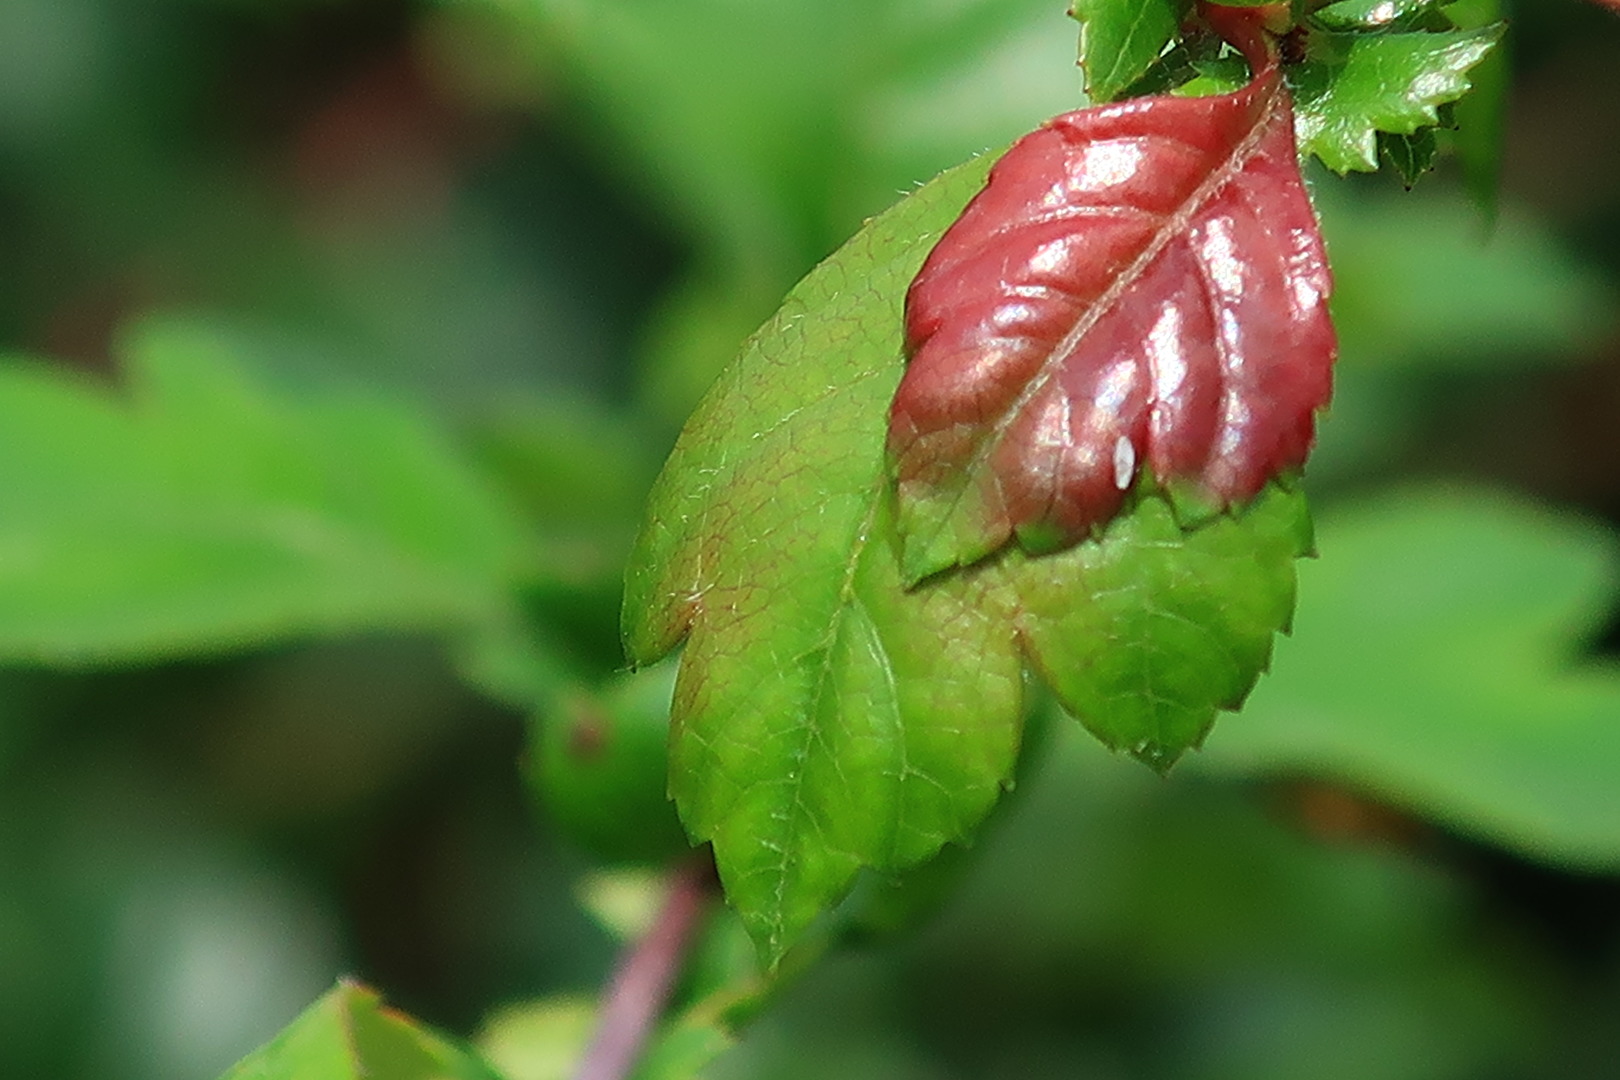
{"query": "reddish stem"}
(1246, 29)
(642, 982)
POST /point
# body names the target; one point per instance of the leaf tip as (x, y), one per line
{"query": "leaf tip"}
(1157, 756)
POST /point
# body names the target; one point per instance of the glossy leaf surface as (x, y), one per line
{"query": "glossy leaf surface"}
(1359, 93)
(1139, 285)
(1376, 14)
(826, 717)
(350, 1035)
(1120, 40)
(1356, 85)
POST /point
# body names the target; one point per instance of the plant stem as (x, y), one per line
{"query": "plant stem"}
(645, 975)
(1245, 29)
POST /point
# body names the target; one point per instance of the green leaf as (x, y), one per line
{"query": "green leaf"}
(770, 130)
(578, 472)
(545, 1039)
(1121, 39)
(1481, 117)
(1377, 14)
(539, 1040)
(599, 765)
(767, 132)
(1436, 666)
(1410, 155)
(199, 511)
(1215, 75)
(827, 719)
(721, 988)
(822, 721)
(1356, 85)
(349, 1035)
(1146, 633)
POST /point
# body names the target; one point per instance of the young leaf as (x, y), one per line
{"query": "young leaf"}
(1121, 39)
(1138, 285)
(201, 511)
(1356, 85)
(349, 1035)
(828, 718)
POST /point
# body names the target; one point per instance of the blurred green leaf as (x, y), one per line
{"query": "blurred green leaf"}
(622, 900)
(578, 472)
(720, 987)
(692, 334)
(200, 511)
(751, 119)
(599, 764)
(1356, 85)
(513, 660)
(827, 719)
(767, 132)
(1435, 665)
(683, 1050)
(1418, 282)
(1280, 956)
(538, 1040)
(349, 1034)
(1481, 115)
(544, 1040)
(1193, 932)
(1121, 39)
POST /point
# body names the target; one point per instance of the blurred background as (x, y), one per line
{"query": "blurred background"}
(345, 338)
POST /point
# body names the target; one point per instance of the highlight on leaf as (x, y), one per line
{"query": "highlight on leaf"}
(1354, 86)
(1140, 286)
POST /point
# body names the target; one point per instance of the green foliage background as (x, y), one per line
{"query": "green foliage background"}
(343, 340)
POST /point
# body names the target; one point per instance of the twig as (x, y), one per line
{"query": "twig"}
(646, 973)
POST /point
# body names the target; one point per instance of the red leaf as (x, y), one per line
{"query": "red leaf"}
(1138, 284)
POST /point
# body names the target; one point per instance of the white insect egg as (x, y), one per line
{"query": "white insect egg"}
(1124, 462)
